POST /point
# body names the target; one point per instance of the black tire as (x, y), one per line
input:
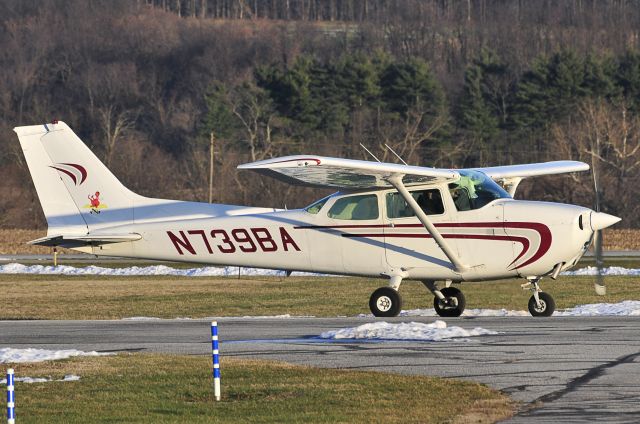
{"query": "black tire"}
(548, 305)
(455, 303)
(385, 302)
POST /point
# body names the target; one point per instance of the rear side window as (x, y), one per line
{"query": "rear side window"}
(355, 208)
(430, 202)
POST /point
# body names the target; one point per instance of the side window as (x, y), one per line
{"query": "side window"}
(461, 198)
(430, 202)
(355, 208)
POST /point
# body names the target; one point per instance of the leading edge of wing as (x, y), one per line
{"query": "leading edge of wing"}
(320, 171)
(533, 169)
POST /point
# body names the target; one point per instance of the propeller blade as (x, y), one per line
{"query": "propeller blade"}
(601, 290)
(599, 220)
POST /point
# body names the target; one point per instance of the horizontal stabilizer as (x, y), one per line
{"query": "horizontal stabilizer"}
(85, 240)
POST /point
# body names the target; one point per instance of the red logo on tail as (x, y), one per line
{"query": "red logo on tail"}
(77, 173)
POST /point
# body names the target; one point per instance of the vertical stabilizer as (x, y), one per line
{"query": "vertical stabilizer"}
(77, 192)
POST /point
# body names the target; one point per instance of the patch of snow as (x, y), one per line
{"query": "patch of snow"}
(624, 308)
(207, 271)
(612, 270)
(405, 331)
(14, 356)
(31, 380)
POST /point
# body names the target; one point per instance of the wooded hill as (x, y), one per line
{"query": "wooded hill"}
(445, 83)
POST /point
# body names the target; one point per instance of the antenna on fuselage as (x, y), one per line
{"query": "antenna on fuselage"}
(394, 152)
(369, 151)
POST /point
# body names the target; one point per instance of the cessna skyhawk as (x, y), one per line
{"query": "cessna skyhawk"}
(392, 221)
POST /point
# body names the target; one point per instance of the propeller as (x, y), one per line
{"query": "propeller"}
(601, 289)
(599, 286)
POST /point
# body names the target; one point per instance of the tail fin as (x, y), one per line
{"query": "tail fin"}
(77, 192)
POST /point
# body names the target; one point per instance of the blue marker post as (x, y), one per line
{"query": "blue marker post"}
(216, 359)
(11, 398)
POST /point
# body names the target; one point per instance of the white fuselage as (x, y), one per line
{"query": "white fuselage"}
(505, 238)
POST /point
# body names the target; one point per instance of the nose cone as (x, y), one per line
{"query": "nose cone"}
(601, 220)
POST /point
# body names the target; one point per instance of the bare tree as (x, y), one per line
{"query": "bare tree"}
(113, 123)
(607, 136)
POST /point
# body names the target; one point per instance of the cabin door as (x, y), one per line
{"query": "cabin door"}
(407, 242)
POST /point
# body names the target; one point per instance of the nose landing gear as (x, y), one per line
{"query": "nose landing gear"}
(541, 304)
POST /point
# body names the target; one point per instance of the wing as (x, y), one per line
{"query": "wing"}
(319, 171)
(533, 169)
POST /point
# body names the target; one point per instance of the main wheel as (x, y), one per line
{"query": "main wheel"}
(546, 308)
(452, 306)
(385, 302)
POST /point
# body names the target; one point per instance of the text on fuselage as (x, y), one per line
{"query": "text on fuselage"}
(230, 241)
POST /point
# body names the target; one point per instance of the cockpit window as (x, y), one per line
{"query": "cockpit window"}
(474, 190)
(315, 207)
(429, 200)
(355, 208)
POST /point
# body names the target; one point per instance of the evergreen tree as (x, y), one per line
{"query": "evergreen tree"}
(483, 105)
(627, 78)
(549, 91)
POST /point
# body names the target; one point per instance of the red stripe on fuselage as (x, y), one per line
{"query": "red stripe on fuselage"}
(541, 229)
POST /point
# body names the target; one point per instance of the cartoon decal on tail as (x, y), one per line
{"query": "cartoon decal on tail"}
(94, 203)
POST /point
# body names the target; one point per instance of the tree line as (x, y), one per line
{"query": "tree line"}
(151, 85)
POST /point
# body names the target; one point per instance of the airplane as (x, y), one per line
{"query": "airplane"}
(387, 220)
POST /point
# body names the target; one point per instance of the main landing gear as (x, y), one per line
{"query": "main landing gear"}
(541, 304)
(447, 302)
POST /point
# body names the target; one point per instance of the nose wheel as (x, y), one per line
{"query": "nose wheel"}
(544, 307)
(541, 304)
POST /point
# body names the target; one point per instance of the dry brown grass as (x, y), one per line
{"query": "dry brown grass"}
(95, 297)
(144, 388)
(14, 242)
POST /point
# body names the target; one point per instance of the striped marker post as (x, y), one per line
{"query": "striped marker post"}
(11, 398)
(216, 359)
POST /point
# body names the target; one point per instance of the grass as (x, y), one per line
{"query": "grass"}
(99, 297)
(144, 388)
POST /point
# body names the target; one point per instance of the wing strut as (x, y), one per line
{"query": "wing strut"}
(396, 181)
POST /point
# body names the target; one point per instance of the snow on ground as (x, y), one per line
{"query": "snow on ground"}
(612, 270)
(211, 271)
(11, 355)
(405, 331)
(207, 271)
(30, 380)
(624, 308)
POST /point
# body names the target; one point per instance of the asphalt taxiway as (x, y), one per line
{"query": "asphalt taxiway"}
(569, 369)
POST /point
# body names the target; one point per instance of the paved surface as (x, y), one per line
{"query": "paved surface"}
(564, 369)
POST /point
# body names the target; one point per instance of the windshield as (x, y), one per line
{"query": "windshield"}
(474, 190)
(315, 207)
